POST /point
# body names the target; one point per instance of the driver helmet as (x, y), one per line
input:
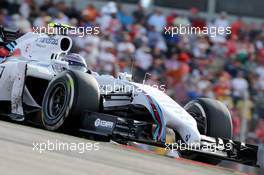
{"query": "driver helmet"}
(76, 62)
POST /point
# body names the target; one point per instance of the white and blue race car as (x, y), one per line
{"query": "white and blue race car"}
(46, 85)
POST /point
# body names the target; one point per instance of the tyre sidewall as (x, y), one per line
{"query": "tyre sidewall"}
(68, 81)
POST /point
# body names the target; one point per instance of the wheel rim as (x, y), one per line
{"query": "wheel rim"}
(57, 101)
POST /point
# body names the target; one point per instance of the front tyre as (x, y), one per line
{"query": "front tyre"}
(67, 96)
(216, 117)
(213, 119)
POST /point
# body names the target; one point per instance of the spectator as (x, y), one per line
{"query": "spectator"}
(72, 11)
(22, 23)
(143, 58)
(47, 4)
(25, 9)
(195, 19)
(124, 18)
(42, 20)
(260, 131)
(239, 86)
(90, 13)
(223, 23)
(125, 48)
(181, 20)
(157, 20)
(236, 27)
(139, 14)
(61, 18)
(260, 71)
(3, 18)
(107, 61)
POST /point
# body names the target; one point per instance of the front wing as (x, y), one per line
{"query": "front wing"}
(112, 127)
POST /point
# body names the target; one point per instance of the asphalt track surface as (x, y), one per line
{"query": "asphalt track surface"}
(18, 157)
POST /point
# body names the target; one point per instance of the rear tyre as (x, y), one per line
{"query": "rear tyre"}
(213, 119)
(67, 96)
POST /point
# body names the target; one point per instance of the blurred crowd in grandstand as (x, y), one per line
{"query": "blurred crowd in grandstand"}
(226, 67)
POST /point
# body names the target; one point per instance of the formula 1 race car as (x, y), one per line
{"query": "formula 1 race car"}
(44, 84)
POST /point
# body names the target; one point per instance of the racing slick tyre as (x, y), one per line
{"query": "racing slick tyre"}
(213, 119)
(217, 118)
(67, 96)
